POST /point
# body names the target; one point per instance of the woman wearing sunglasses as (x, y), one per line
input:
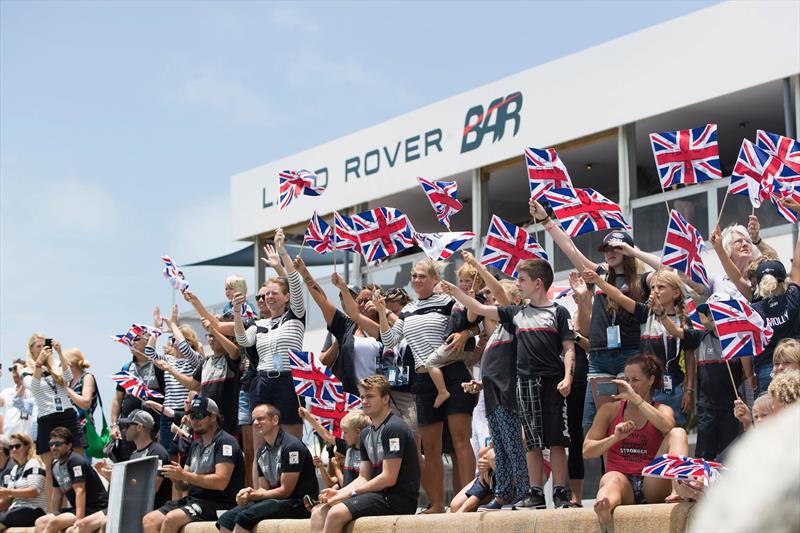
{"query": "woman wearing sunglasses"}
(25, 485)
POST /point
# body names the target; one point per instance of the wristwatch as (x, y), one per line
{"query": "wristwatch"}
(353, 493)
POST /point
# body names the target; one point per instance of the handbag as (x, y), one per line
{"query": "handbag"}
(95, 444)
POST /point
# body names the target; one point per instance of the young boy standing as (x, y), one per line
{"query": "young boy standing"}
(544, 334)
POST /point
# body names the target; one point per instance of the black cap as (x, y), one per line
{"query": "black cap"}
(772, 267)
(615, 236)
(354, 289)
(716, 297)
(204, 406)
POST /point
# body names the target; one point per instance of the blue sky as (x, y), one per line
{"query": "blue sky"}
(121, 123)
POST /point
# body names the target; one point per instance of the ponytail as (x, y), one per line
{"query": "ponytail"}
(650, 365)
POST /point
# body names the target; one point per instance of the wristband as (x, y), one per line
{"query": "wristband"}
(39, 365)
(757, 243)
(539, 221)
(690, 390)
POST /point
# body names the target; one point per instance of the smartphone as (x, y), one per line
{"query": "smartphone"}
(48, 343)
(606, 388)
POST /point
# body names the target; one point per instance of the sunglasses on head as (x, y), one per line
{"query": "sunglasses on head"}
(56, 443)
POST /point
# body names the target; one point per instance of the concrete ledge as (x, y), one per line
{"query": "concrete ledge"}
(663, 518)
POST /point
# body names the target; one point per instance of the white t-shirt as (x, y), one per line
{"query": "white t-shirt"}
(366, 352)
(723, 284)
(19, 412)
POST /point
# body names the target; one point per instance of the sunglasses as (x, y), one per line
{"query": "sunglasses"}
(137, 338)
(15, 446)
(171, 339)
(197, 416)
(261, 297)
(56, 443)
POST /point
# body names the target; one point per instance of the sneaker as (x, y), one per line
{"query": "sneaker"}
(562, 498)
(534, 500)
(493, 505)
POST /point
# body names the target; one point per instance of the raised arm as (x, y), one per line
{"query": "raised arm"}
(390, 335)
(316, 292)
(754, 230)
(246, 338)
(187, 381)
(728, 265)
(352, 310)
(661, 417)
(470, 303)
(593, 278)
(560, 237)
(583, 297)
(324, 434)
(183, 345)
(192, 298)
(488, 279)
(273, 259)
(230, 347)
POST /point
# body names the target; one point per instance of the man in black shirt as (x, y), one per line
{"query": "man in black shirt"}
(73, 477)
(285, 475)
(213, 475)
(388, 479)
(138, 429)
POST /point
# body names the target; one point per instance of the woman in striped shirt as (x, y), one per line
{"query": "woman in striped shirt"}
(25, 485)
(185, 358)
(423, 324)
(273, 337)
(49, 388)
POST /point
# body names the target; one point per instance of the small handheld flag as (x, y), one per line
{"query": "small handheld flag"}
(443, 196)
(507, 245)
(174, 274)
(682, 247)
(686, 156)
(293, 183)
(441, 246)
(546, 171)
(585, 210)
(318, 235)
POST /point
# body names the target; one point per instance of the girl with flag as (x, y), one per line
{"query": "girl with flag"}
(273, 337)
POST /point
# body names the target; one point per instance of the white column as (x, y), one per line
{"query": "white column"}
(477, 208)
(626, 163)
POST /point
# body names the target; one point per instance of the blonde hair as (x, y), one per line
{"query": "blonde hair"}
(190, 336)
(467, 271)
(764, 399)
(355, 420)
(76, 357)
(237, 283)
(26, 440)
(48, 364)
(787, 351)
(511, 288)
(768, 286)
(430, 266)
(672, 279)
(785, 388)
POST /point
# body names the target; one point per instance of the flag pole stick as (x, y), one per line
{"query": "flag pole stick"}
(719, 216)
(730, 373)
(474, 279)
(301, 247)
(334, 243)
(664, 196)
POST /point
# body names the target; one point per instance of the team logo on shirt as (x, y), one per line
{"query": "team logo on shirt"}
(227, 450)
(394, 444)
(294, 458)
(76, 471)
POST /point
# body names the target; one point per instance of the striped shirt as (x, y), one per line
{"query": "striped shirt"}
(186, 365)
(50, 396)
(31, 474)
(423, 324)
(283, 333)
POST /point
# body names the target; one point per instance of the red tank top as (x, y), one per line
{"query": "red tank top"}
(634, 452)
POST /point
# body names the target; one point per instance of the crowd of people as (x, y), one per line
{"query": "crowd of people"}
(619, 378)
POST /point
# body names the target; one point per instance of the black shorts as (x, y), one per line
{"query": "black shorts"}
(543, 412)
(277, 391)
(479, 490)
(21, 517)
(459, 402)
(380, 504)
(197, 510)
(250, 514)
(637, 485)
(47, 423)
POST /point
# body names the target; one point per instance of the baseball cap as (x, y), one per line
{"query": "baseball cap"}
(137, 416)
(204, 406)
(772, 267)
(354, 289)
(716, 297)
(615, 236)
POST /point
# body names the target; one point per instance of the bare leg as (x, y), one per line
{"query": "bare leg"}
(576, 486)
(93, 522)
(615, 489)
(247, 440)
(460, 431)
(442, 394)
(535, 463)
(240, 529)
(338, 517)
(434, 469)
(151, 523)
(57, 523)
(174, 521)
(47, 459)
(657, 490)
(318, 515)
(558, 462)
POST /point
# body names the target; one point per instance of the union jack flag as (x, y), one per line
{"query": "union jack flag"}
(293, 183)
(785, 149)
(443, 196)
(383, 231)
(345, 236)
(318, 235)
(441, 246)
(545, 171)
(134, 331)
(330, 414)
(313, 380)
(507, 245)
(134, 386)
(687, 156)
(761, 176)
(556, 292)
(742, 331)
(680, 467)
(682, 247)
(585, 210)
(692, 312)
(174, 274)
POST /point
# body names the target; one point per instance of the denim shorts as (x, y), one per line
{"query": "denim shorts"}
(245, 415)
